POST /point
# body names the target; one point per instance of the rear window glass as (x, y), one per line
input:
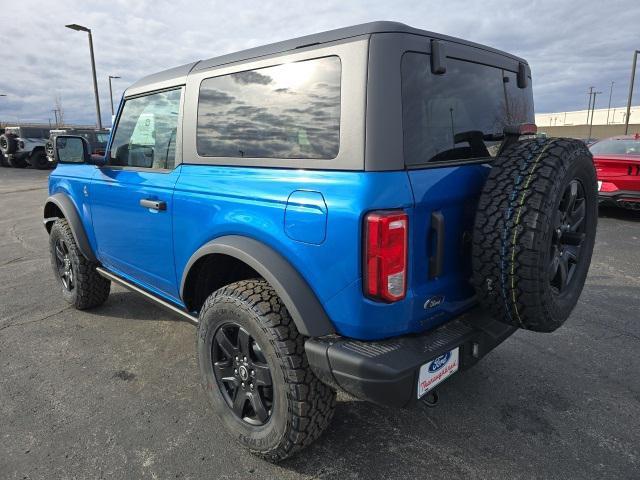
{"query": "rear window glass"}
(286, 111)
(33, 132)
(616, 147)
(461, 114)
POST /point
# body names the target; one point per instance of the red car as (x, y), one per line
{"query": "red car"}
(617, 161)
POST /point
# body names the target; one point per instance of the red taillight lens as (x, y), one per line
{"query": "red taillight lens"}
(385, 269)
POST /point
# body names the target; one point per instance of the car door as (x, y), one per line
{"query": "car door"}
(132, 194)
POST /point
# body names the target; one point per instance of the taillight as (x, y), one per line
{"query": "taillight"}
(385, 256)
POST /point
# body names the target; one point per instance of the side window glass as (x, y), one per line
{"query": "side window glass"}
(146, 133)
(285, 111)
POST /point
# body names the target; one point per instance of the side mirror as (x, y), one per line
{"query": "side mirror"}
(98, 160)
(71, 149)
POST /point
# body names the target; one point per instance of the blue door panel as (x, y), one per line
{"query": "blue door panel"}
(132, 239)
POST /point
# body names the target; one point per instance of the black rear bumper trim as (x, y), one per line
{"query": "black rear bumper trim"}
(386, 372)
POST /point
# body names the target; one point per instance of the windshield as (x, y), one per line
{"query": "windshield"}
(461, 114)
(614, 146)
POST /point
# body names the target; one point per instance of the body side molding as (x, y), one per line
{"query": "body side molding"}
(301, 302)
(68, 209)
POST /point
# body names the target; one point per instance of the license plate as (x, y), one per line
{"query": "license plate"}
(437, 370)
(599, 185)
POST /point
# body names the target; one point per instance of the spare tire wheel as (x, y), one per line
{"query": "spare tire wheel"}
(8, 144)
(534, 232)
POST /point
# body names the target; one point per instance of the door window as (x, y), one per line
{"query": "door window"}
(146, 133)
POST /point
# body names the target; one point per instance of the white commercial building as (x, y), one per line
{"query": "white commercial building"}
(601, 116)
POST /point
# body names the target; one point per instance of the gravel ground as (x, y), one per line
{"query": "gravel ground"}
(114, 392)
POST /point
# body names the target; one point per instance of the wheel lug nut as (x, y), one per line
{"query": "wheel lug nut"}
(235, 370)
(245, 359)
(253, 373)
(242, 384)
(251, 386)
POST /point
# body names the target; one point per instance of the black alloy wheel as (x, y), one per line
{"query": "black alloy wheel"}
(568, 236)
(64, 265)
(242, 373)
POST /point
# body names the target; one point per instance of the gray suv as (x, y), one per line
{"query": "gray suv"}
(22, 146)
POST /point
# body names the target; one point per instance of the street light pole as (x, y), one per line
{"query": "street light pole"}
(633, 77)
(2, 95)
(80, 28)
(111, 93)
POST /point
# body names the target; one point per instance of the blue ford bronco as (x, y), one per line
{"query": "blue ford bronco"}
(365, 209)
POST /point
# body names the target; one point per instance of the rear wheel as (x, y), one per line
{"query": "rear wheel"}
(17, 162)
(3, 161)
(39, 160)
(256, 373)
(534, 232)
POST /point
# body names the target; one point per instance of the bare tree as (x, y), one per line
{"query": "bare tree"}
(60, 111)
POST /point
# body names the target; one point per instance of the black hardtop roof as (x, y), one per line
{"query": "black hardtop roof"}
(300, 42)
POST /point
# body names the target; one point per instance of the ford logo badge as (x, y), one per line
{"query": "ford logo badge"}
(439, 362)
(434, 302)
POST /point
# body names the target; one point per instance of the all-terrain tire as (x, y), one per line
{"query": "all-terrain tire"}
(17, 162)
(90, 289)
(522, 271)
(39, 160)
(302, 405)
(8, 144)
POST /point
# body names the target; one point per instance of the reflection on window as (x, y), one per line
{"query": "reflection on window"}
(458, 115)
(287, 111)
(616, 147)
(146, 132)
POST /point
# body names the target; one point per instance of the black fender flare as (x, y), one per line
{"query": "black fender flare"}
(70, 213)
(304, 307)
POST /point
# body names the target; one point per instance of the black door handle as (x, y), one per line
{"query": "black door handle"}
(154, 204)
(437, 258)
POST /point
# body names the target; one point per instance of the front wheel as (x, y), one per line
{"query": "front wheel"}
(80, 283)
(256, 374)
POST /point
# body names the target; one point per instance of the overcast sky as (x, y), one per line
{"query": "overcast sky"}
(570, 45)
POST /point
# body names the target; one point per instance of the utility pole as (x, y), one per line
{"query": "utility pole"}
(593, 109)
(609, 107)
(633, 77)
(55, 112)
(589, 107)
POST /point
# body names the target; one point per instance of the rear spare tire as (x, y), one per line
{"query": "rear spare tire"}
(8, 144)
(534, 232)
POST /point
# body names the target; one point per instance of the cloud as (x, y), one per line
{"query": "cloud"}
(570, 45)
(245, 78)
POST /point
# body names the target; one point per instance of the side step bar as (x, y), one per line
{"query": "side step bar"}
(163, 303)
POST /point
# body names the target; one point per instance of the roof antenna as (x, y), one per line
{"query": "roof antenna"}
(437, 58)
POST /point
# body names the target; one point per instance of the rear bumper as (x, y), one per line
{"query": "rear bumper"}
(386, 372)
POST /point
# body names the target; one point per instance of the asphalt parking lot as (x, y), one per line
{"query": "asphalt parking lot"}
(114, 392)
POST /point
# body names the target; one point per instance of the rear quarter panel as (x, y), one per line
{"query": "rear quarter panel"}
(213, 201)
